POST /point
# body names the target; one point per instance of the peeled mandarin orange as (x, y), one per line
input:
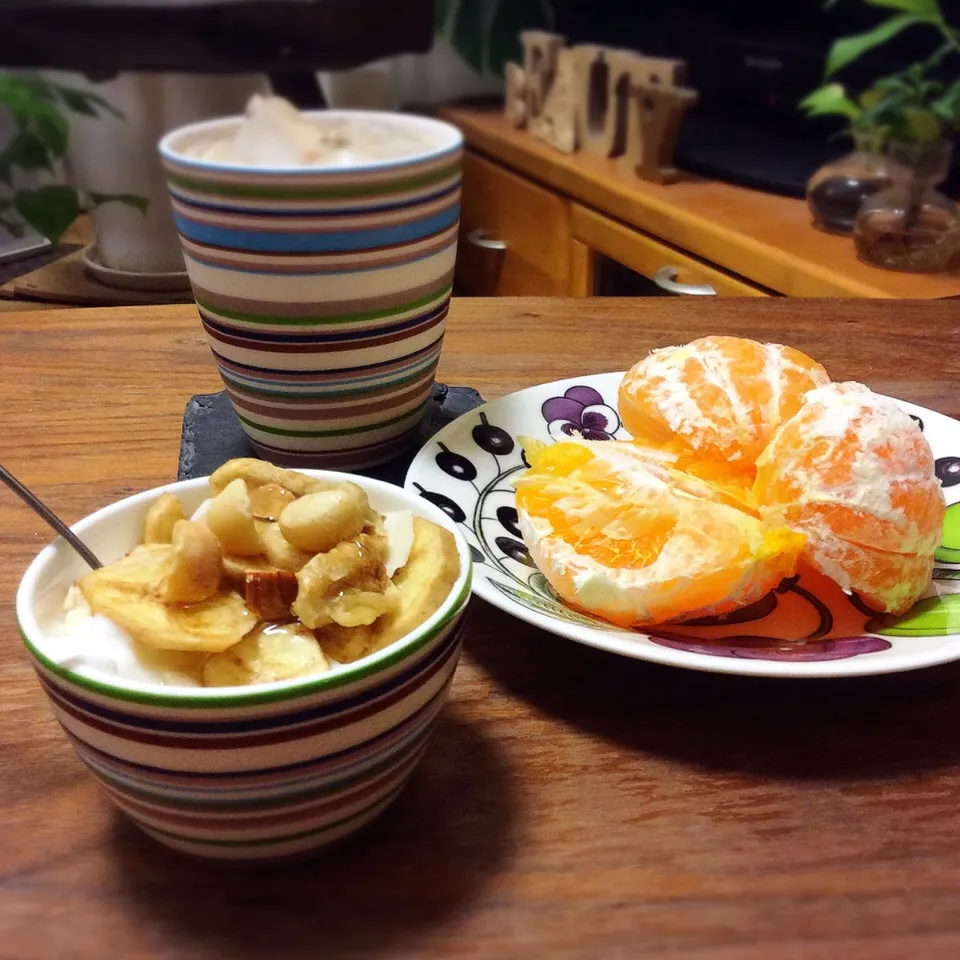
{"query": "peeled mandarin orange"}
(720, 398)
(620, 533)
(855, 474)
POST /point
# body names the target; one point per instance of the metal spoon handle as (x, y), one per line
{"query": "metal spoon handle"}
(31, 499)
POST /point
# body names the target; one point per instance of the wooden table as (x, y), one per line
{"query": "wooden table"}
(572, 804)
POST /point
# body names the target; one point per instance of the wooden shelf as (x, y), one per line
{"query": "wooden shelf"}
(762, 237)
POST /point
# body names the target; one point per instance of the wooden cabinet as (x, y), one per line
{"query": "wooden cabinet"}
(536, 221)
(517, 238)
(672, 270)
(514, 235)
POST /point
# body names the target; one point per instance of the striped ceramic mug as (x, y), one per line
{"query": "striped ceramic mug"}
(323, 290)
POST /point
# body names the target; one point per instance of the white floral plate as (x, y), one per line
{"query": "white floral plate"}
(807, 627)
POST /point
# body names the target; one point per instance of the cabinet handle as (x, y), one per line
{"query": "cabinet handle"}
(666, 279)
(479, 238)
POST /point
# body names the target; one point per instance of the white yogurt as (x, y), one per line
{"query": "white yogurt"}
(95, 647)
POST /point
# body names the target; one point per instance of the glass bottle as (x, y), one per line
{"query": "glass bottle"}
(836, 191)
(910, 225)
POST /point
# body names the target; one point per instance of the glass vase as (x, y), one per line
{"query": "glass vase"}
(836, 191)
(910, 225)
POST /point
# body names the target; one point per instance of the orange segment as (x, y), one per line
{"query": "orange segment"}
(854, 473)
(620, 533)
(886, 582)
(744, 456)
(722, 398)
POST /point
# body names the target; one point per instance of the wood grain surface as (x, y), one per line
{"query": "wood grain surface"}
(66, 281)
(760, 236)
(646, 256)
(572, 804)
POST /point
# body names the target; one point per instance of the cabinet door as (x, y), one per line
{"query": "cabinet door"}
(657, 268)
(514, 235)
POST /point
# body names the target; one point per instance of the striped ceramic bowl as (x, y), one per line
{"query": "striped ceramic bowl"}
(258, 773)
(323, 291)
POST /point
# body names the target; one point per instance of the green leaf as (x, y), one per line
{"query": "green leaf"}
(49, 210)
(847, 49)
(922, 125)
(947, 106)
(14, 92)
(33, 87)
(892, 84)
(130, 199)
(830, 99)
(82, 101)
(26, 151)
(929, 8)
(53, 130)
(509, 19)
(469, 32)
(931, 86)
(78, 103)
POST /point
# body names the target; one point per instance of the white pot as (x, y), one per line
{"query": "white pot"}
(414, 79)
(370, 87)
(110, 155)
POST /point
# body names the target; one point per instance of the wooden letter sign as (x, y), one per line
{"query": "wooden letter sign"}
(610, 102)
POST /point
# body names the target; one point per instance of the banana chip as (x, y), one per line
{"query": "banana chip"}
(279, 551)
(319, 521)
(345, 585)
(126, 592)
(274, 556)
(195, 568)
(256, 473)
(278, 652)
(422, 584)
(270, 500)
(230, 516)
(161, 519)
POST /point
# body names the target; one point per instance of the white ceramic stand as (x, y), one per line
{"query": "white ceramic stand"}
(419, 79)
(110, 155)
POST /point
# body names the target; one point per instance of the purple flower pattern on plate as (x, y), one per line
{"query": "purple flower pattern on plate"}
(581, 412)
(767, 648)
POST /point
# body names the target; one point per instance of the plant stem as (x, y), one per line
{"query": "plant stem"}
(915, 206)
(952, 36)
(949, 46)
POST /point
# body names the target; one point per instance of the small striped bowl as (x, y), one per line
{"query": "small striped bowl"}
(261, 773)
(323, 292)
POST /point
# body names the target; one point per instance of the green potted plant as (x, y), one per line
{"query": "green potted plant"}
(901, 221)
(106, 153)
(39, 111)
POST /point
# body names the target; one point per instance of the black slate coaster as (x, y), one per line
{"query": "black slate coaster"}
(212, 434)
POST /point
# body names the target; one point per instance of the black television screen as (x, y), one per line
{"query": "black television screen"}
(751, 62)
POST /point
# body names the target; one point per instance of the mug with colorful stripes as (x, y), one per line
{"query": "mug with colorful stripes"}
(323, 291)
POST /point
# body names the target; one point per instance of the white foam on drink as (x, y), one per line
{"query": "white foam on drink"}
(275, 134)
